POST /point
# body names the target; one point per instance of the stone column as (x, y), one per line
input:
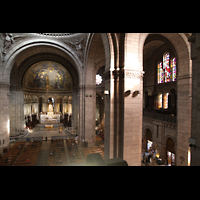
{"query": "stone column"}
(133, 84)
(195, 98)
(109, 115)
(75, 109)
(90, 104)
(5, 115)
(70, 105)
(81, 118)
(17, 118)
(44, 106)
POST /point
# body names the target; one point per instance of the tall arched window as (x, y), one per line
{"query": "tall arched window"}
(160, 73)
(173, 69)
(167, 69)
(166, 66)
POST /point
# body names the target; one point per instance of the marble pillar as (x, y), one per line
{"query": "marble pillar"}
(5, 115)
(133, 117)
(17, 118)
(90, 110)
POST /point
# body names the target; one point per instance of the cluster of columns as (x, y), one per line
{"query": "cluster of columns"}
(123, 105)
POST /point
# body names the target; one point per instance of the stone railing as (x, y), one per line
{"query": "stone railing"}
(70, 131)
(159, 116)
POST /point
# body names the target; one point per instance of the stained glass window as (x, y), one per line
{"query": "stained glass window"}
(166, 67)
(173, 69)
(165, 100)
(98, 79)
(167, 70)
(160, 73)
(160, 101)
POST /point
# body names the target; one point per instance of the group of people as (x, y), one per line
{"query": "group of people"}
(148, 156)
(100, 132)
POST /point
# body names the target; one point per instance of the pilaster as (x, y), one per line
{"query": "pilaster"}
(17, 119)
(90, 111)
(5, 116)
(133, 80)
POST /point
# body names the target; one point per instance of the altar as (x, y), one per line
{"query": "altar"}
(50, 117)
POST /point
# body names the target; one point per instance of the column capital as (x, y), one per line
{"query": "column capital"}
(4, 84)
(16, 88)
(134, 74)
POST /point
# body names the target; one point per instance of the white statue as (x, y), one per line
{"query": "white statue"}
(50, 108)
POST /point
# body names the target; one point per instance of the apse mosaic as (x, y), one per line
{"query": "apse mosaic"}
(48, 75)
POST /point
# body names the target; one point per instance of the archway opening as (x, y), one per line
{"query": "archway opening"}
(170, 152)
(48, 81)
(43, 90)
(94, 90)
(161, 70)
(100, 104)
(161, 66)
(149, 141)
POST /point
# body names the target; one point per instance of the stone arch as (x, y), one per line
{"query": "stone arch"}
(147, 127)
(94, 59)
(34, 99)
(144, 136)
(65, 99)
(29, 99)
(19, 49)
(99, 65)
(179, 42)
(171, 146)
(172, 138)
(184, 80)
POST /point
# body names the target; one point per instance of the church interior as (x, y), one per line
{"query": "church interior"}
(70, 99)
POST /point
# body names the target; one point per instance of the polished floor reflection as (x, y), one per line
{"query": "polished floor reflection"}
(55, 151)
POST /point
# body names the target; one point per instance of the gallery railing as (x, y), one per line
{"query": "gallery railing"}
(159, 116)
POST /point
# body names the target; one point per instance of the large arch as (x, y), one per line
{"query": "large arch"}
(21, 56)
(181, 45)
(95, 58)
(134, 44)
(31, 44)
(123, 57)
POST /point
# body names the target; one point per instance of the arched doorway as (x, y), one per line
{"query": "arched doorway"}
(149, 141)
(170, 152)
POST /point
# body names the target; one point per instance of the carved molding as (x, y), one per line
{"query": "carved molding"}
(8, 41)
(4, 85)
(56, 34)
(134, 74)
(78, 46)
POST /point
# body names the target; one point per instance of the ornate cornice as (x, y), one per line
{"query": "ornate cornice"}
(56, 34)
(4, 85)
(133, 74)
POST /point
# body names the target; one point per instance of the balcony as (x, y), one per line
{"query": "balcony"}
(160, 116)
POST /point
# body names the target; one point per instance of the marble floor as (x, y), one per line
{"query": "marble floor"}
(71, 155)
(41, 131)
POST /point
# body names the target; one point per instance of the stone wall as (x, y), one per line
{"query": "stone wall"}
(5, 117)
(161, 131)
(195, 55)
(122, 56)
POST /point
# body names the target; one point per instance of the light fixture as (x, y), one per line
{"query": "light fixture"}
(127, 93)
(106, 92)
(134, 93)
